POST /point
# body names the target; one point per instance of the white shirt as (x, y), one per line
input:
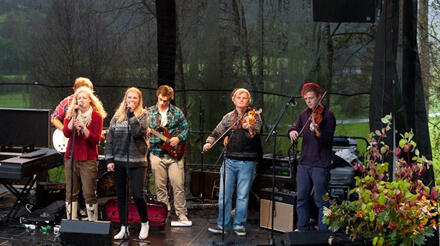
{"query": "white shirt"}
(164, 119)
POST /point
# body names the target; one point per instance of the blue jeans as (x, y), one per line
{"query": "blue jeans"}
(307, 176)
(243, 173)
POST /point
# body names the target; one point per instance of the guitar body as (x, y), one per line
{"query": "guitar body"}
(176, 152)
(59, 141)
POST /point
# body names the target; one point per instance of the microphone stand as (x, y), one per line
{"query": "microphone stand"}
(71, 168)
(223, 153)
(126, 237)
(273, 133)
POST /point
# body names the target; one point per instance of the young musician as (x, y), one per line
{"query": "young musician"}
(57, 117)
(127, 134)
(243, 150)
(313, 171)
(163, 166)
(84, 120)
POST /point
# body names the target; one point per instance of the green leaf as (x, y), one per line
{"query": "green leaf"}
(375, 240)
(413, 143)
(402, 142)
(417, 152)
(377, 132)
(371, 216)
(382, 199)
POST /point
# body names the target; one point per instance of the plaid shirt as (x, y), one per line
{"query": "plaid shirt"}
(176, 125)
(61, 110)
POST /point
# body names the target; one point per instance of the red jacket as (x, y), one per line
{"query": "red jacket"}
(85, 148)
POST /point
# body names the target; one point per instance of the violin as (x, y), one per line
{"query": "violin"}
(317, 119)
(250, 119)
(315, 116)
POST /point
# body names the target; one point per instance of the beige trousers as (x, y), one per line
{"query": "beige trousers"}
(164, 168)
(86, 173)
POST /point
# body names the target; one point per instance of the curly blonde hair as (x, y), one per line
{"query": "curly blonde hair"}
(95, 103)
(120, 113)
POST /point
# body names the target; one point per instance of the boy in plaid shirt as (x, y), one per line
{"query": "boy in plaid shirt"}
(163, 166)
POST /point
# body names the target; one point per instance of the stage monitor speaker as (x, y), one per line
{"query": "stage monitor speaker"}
(315, 238)
(75, 232)
(205, 183)
(283, 216)
(344, 10)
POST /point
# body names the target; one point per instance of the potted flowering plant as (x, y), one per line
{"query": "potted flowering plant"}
(398, 212)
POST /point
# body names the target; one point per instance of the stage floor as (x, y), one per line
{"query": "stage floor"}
(198, 234)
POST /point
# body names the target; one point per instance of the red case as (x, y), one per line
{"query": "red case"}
(157, 212)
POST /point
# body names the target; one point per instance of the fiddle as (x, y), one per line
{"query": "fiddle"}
(315, 116)
(317, 119)
(249, 118)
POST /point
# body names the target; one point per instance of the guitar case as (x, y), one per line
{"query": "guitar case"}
(157, 212)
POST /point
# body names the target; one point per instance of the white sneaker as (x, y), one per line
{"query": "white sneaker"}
(121, 234)
(145, 227)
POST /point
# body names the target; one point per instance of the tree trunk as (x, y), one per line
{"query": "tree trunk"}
(166, 42)
(424, 48)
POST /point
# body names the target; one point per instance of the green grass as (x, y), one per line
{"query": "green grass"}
(355, 130)
(14, 100)
(14, 77)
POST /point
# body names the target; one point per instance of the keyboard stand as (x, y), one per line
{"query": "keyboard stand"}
(20, 195)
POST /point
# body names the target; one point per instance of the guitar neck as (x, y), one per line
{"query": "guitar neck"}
(161, 136)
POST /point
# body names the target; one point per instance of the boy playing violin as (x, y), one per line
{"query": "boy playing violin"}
(316, 124)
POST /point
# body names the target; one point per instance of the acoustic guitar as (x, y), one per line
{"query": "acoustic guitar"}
(175, 152)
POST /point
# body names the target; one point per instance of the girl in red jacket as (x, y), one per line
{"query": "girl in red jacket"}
(84, 120)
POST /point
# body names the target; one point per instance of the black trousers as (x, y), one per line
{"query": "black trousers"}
(136, 179)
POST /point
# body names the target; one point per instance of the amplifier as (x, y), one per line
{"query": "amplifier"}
(48, 192)
(280, 195)
(284, 219)
(284, 167)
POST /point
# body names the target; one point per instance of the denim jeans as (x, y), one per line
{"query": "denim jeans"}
(241, 172)
(307, 176)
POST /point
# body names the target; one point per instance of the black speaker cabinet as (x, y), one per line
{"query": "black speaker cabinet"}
(83, 233)
(344, 10)
(315, 238)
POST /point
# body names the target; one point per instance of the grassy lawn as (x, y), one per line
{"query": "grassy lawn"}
(14, 100)
(355, 130)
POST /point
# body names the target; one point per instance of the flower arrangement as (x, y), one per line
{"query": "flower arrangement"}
(398, 212)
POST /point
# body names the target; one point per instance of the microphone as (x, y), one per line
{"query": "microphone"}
(292, 101)
(127, 107)
(80, 104)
